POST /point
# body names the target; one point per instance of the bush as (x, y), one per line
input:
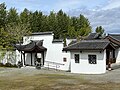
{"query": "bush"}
(19, 64)
(8, 65)
(14, 65)
(1, 65)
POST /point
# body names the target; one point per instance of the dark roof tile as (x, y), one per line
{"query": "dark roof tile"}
(32, 46)
(42, 33)
(92, 36)
(115, 36)
(57, 40)
(88, 45)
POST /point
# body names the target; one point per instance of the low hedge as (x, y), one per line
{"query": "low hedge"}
(7, 65)
(1, 64)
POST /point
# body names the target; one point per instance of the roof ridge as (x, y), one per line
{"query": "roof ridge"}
(114, 34)
(88, 45)
(42, 33)
(103, 40)
(72, 44)
(114, 38)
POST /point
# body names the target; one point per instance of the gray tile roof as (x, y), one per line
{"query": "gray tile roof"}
(42, 33)
(57, 40)
(32, 46)
(93, 36)
(115, 36)
(72, 42)
(88, 45)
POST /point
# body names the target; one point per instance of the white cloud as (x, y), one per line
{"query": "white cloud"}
(112, 4)
(99, 12)
(109, 19)
(67, 4)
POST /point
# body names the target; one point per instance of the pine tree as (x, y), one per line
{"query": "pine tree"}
(100, 30)
(62, 24)
(36, 21)
(25, 16)
(52, 21)
(3, 15)
(13, 16)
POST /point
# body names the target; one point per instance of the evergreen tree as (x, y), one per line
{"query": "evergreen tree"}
(13, 26)
(71, 32)
(83, 27)
(4, 39)
(52, 21)
(44, 24)
(62, 24)
(36, 21)
(25, 16)
(13, 16)
(100, 30)
(74, 22)
(3, 15)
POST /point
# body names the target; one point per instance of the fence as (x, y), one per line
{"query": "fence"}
(54, 65)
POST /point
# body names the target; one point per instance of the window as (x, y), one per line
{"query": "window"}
(92, 59)
(64, 59)
(76, 56)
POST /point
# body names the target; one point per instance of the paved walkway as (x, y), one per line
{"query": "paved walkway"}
(109, 76)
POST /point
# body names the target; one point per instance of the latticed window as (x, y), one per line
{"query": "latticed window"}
(92, 59)
(76, 56)
(64, 59)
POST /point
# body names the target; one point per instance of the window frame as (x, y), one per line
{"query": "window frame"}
(77, 60)
(64, 59)
(92, 59)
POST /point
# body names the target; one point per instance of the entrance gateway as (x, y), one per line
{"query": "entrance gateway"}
(32, 52)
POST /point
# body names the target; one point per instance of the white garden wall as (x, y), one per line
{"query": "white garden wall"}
(54, 51)
(117, 55)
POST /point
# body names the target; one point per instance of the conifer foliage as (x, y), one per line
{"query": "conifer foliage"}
(14, 25)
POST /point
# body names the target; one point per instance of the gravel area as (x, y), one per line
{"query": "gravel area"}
(108, 77)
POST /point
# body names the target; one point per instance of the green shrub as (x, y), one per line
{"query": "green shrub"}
(1, 65)
(19, 64)
(14, 65)
(8, 65)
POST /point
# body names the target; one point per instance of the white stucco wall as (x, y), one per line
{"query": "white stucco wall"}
(18, 56)
(84, 67)
(66, 65)
(54, 51)
(8, 57)
(56, 55)
(117, 55)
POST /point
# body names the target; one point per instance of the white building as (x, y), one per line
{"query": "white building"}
(50, 49)
(88, 56)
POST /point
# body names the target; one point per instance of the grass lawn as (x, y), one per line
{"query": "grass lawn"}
(52, 82)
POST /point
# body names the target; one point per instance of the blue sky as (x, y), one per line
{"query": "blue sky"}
(48, 5)
(99, 12)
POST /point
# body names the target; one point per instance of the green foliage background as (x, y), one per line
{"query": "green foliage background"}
(14, 26)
